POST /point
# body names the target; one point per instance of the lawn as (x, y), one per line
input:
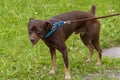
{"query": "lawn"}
(19, 60)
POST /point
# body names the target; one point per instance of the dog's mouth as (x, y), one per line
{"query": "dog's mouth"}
(33, 41)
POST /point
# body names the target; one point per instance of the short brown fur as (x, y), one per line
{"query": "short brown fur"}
(88, 30)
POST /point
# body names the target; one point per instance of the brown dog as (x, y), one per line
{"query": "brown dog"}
(88, 30)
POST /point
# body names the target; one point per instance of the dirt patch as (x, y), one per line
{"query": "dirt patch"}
(112, 52)
(104, 75)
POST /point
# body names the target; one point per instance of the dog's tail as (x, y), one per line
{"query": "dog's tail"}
(93, 10)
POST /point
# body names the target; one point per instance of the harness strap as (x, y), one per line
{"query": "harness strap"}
(55, 26)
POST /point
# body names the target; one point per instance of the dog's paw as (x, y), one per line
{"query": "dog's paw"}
(97, 64)
(52, 72)
(67, 78)
(88, 60)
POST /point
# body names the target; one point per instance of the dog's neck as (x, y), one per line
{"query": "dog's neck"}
(54, 25)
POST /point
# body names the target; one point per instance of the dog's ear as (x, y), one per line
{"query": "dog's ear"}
(47, 26)
(31, 19)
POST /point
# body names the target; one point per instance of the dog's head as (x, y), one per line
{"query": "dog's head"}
(37, 29)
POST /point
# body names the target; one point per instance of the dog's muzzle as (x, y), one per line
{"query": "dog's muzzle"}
(33, 41)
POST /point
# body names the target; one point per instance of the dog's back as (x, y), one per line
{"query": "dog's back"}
(74, 15)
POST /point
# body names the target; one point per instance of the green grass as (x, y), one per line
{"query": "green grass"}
(19, 60)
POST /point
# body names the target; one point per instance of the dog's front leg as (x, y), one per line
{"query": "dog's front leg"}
(65, 58)
(53, 57)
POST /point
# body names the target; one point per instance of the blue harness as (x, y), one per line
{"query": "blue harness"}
(55, 26)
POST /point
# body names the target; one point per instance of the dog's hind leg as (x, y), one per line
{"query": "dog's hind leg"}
(85, 39)
(93, 31)
(96, 45)
(53, 57)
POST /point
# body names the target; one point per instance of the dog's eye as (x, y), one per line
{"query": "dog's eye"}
(38, 32)
(30, 32)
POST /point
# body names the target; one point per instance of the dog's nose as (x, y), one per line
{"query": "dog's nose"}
(32, 40)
